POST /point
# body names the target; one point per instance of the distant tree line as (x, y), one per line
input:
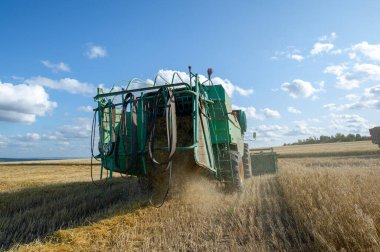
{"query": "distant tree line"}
(331, 139)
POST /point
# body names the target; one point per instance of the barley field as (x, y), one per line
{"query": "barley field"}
(312, 204)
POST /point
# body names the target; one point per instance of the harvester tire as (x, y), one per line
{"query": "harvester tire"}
(247, 162)
(234, 176)
(145, 184)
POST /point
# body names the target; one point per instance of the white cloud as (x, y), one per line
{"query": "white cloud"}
(33, 136)
(293, 110)
(50, 136)
(290, 53)
(297, 57)
(3, 141)
(334, 107)
(63, 136)
(320, 48)
(79, 130)
(369, 99)
(335, 69)
(349, 77)
(59, 67)
(352, 97)
(271, 132)
(228, 86)
(85, 109)
(279, 54)
(244, 92)
(346, 82)
(344, 78)
(250, 112)
(369, 71)
(275, 133)
(75, 131)
(15, 116)
(94, 51)
(372, 91)
(269, 113)
(66, 140)
(29, 137)
(303, 128)
(336, 52)
(330, 106)
(70, 85)
(166, 76)
(329, 38)
(314, 120)
(23, 102)
(349, 123)
(325, 45)
(370, 51)
(299, 88)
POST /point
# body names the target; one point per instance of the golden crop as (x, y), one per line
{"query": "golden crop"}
(312, 204)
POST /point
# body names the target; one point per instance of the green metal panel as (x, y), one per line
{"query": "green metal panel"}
(228, 130)
(264, 162)
(375, 135)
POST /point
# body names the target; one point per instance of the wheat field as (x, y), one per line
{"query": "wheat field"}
(312, 204)
(329, 149)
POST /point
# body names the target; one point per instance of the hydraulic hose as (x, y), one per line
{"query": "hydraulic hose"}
(122, 131)
(93, 134)
(171, 133)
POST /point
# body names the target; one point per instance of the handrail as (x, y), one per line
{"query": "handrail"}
(176, 73)
(140, 81)
(140, 89)
(155, 80)
(133, 81)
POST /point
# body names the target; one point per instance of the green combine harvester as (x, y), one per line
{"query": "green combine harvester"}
(375, 135)
(149, 131)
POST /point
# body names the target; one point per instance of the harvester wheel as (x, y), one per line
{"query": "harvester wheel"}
(247, 162)
(234, 175)
(145, 184)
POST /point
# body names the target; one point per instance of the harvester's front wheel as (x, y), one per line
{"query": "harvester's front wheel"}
(234, 174)
(247, 162)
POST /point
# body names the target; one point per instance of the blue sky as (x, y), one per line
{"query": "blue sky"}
(298, 68)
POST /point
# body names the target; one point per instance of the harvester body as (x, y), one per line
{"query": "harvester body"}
(263, 161)
(143, 126)
(375, 135)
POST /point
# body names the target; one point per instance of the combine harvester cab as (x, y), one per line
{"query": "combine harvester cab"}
(264, 161)
(150, 130)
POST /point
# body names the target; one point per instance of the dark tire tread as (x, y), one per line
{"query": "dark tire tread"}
(247, 162)
(232, 180)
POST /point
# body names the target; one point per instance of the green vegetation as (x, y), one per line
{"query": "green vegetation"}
(331, 139)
